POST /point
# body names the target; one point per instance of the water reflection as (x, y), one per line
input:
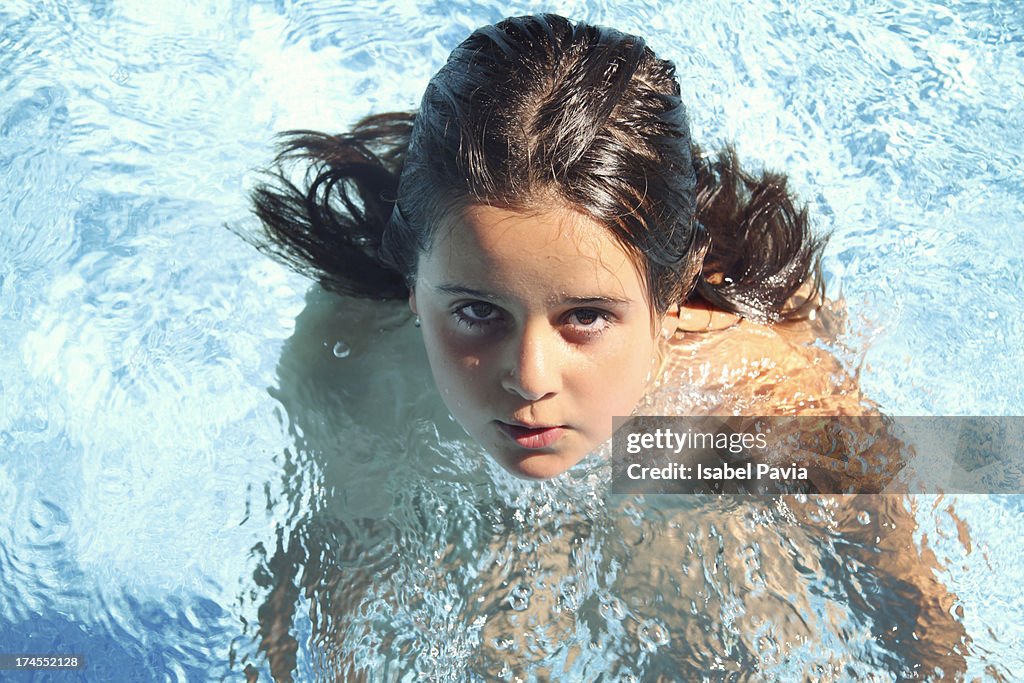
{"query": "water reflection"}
(417, 556)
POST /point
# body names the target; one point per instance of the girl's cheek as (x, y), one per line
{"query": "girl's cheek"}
(458, 343)
(460, 353)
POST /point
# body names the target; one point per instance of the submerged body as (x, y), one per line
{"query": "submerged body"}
(759, 369)
(419, 560)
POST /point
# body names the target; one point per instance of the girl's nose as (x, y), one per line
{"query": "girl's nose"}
(533, 371)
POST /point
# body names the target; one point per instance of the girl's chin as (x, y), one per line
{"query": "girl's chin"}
(536, 466)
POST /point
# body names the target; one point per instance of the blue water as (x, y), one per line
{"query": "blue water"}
(172, 403)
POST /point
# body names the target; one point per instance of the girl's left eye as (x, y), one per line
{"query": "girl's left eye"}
(589, 320)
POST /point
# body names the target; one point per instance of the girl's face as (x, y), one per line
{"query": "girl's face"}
(538, 330)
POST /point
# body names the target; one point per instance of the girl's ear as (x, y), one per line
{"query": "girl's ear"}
(412, 300)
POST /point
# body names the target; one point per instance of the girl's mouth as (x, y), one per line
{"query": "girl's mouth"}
(532, 438)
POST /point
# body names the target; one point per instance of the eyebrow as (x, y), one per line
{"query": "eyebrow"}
(458, 290)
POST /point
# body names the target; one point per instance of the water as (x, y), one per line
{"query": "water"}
(183, 428)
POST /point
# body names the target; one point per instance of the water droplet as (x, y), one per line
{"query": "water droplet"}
(863, 517)
(341, 350)
(519, 596)
(652, 634)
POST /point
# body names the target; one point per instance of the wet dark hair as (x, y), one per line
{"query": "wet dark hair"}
(530, 112)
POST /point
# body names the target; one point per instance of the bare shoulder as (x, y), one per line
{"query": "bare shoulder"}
(768, 369)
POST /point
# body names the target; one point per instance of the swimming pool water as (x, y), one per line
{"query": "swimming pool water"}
(173, 406)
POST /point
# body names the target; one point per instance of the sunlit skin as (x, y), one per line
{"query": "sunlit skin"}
(538, 329)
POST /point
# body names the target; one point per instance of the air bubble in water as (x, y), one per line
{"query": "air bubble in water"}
(863, 517)
(519, 596)
(652, 634)
(612, 609)
(503, 644)
(119, 75)
(569, 597)
(341, 350)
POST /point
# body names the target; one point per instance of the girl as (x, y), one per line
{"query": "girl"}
(569, 255)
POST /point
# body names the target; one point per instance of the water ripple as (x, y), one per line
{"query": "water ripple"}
(140, 453)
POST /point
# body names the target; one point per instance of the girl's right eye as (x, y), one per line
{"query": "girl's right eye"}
(476, 313)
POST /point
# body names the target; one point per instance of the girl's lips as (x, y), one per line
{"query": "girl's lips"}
(532, 438)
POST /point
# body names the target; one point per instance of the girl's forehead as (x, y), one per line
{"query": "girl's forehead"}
(558, 250)
(557, 231)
